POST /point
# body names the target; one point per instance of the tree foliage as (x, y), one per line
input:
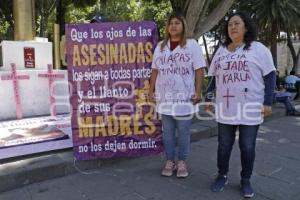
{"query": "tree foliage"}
(62, 9)
(43, 9)
(156, 11)
(6, 20)
(273, 16)
(202, 15)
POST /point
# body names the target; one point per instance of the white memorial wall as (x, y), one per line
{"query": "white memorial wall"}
(34, 100)
(29, 92)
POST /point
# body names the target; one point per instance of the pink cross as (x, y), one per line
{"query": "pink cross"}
(51, 76)
(227, 96)
(14, 77)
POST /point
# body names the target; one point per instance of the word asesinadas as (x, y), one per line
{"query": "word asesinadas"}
(106, 54)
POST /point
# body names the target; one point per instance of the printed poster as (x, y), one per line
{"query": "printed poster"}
(34, 135)
(109, 66)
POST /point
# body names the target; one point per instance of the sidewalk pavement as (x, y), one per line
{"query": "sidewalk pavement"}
(276, 174)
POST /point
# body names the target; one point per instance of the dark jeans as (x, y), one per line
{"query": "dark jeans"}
(286, 100)
(247, 141)
(297, 85)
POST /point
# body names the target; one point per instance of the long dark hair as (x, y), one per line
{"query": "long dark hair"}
(250, 34)
(183, 39)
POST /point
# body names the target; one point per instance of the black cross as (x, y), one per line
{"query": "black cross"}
(227, 96)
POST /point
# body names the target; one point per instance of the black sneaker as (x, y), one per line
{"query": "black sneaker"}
(246, 188)
(293, 113)
(296, 113)
(219, 183)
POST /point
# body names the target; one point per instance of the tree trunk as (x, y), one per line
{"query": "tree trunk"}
(60, 16)
(204, 24)
(206, 50)
(273, 41)
(296, 68)
(196, 11)
(292, 49)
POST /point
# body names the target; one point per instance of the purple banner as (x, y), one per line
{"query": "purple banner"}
(109, 66)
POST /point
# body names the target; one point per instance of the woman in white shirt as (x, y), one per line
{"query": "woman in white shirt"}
(244, 80)
(176, 83)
